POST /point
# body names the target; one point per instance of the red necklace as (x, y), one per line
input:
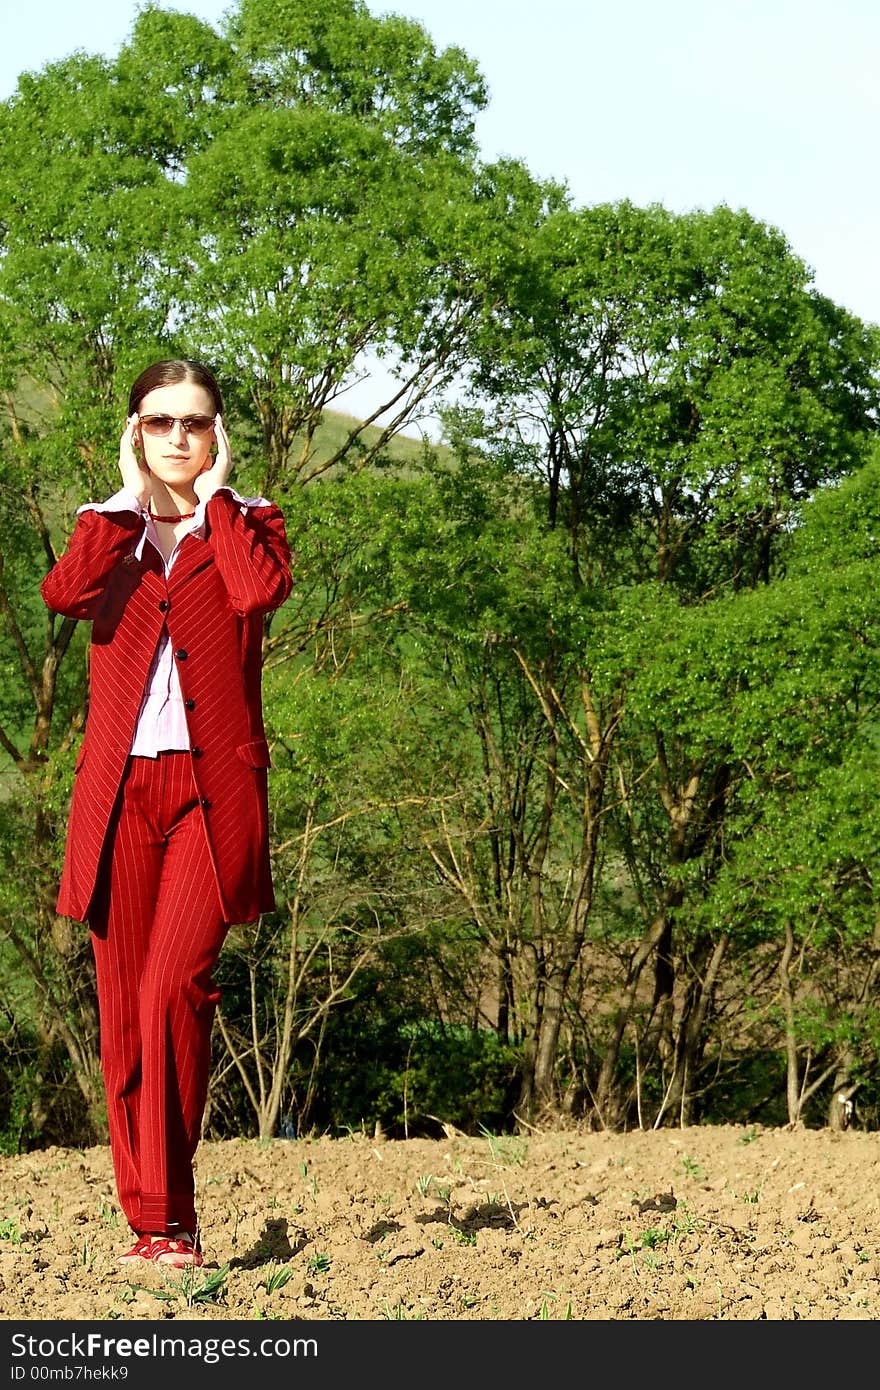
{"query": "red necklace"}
(178, 516)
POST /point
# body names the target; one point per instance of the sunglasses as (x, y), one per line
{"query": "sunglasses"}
(161, 425)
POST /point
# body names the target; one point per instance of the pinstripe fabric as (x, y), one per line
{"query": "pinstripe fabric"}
(157, 929)
(211, 603)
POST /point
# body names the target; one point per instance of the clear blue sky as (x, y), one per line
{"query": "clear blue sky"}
(770, 105)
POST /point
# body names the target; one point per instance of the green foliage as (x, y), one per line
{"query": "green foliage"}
(678, 385)
(20, 1084)
(276, 1278)
(573, 722)
(40, 1103)
(413, 1075)
(192, 1286)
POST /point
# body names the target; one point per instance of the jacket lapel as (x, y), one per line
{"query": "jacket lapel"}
(193, 556)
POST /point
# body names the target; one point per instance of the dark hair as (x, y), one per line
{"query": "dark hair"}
(168, 374)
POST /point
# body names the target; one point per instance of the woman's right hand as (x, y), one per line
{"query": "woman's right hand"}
(135, 473)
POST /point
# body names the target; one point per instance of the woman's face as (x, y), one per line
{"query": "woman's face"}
(180, 455)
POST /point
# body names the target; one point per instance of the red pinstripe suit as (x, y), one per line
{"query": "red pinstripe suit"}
(163, 854)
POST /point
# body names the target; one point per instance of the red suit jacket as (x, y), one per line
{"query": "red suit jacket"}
(212, 604)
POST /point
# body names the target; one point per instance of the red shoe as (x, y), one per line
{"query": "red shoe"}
(177, 1251)
(139, 1251)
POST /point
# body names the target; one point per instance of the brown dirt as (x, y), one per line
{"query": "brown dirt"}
(706, 1223)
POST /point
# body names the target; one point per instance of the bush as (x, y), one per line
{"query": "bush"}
(410, 1077)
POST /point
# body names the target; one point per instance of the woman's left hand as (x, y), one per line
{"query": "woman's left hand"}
(216, 474)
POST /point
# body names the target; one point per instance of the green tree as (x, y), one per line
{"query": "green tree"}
(679, 389)
(78, 298)
(212, 192)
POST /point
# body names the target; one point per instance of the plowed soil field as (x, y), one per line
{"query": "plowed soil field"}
(715, 1223)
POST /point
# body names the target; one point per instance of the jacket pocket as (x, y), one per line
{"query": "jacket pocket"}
(255, 753)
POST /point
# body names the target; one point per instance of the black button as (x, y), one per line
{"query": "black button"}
(181, 654)
(163, 605)
(190, 704)
(197, 752)
(206, 803)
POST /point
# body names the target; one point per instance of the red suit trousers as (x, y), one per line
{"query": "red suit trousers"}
(157, 930)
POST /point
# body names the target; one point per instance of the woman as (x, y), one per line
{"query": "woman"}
(167, 840)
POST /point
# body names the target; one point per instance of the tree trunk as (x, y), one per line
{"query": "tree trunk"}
(792, 1077)
(679, 1096)
(608, 1101)
(840, 1107)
